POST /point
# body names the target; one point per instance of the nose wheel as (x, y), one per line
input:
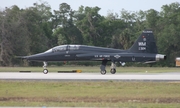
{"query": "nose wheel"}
(45, 71)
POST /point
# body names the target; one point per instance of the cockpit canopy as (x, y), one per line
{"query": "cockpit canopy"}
(63, 48)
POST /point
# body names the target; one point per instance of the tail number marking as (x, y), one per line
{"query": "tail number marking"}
(142, 43)
(142, 46)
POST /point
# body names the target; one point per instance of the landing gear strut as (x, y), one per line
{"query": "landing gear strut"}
(103, 67)
(45, 71)
(113, 68)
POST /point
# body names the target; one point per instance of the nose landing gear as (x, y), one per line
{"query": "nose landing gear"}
(45, 71)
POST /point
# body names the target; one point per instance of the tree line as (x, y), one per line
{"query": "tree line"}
(36, 29)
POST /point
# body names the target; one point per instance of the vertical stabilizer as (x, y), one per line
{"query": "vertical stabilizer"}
(145, 43)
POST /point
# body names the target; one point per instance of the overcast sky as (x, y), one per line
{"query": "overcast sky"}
(105, 5)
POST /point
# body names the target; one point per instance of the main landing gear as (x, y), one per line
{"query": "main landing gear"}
(45, 71)
(103, 67)
(113, 68)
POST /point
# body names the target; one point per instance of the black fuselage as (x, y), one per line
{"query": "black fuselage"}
(83, 52)
(143, 50)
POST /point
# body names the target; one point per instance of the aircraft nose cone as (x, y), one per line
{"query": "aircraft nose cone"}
(36, 57)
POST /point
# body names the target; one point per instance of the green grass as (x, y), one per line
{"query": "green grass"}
(92, 69)
(90, 94)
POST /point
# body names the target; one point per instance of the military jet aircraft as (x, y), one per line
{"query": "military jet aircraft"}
(143, 50)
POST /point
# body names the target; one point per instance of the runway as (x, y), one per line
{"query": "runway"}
(91, 76)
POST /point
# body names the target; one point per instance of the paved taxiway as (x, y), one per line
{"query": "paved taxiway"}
(91, 76)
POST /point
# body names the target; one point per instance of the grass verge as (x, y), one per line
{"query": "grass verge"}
(90, 94)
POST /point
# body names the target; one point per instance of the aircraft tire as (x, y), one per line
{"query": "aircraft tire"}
(113, 71)
(103, 72)
(45, 71)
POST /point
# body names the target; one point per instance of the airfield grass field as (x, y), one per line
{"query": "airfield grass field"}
(90, 94)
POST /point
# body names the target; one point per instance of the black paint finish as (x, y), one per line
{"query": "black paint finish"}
(143, 50)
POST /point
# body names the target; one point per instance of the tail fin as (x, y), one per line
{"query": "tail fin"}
(145, 43)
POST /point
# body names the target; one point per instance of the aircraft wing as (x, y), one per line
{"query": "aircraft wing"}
(123, 57)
